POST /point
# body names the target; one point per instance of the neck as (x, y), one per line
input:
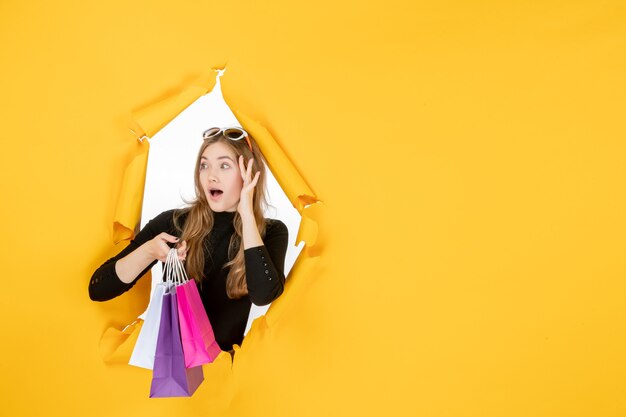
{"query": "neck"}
(224, 215)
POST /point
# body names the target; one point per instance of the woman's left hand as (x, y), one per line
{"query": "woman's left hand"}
(245, 207)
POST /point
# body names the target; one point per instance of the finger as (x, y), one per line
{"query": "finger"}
(242, 167)
(168, 237)
(245, 171)
(182, 248)
(249, 172)
(256, 178)
(163, 251)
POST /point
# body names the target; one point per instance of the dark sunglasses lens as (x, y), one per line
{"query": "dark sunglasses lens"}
(211, 132)
(233, 134)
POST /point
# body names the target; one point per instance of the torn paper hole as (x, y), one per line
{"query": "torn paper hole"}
(169, 174)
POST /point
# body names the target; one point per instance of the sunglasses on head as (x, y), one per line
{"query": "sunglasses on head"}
(232, 133)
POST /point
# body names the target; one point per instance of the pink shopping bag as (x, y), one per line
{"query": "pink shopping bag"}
(199, 342)
(193, 345)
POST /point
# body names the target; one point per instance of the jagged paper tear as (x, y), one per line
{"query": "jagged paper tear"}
(116, 345)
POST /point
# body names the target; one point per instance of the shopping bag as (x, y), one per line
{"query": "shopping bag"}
(204, 325)
(199, 345)
(143, 353)
(170, 377)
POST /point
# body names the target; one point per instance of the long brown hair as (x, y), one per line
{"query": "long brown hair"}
(200, 221)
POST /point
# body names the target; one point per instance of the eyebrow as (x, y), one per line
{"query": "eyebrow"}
(220, 157)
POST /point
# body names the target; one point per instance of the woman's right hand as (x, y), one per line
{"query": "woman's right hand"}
(158, 249)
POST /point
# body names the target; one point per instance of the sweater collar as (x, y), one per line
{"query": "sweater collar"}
(223, 218)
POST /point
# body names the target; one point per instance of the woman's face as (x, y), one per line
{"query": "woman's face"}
(219, 170)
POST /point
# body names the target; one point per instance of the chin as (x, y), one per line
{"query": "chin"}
(220, 208)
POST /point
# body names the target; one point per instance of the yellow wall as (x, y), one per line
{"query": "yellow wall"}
(471, 159)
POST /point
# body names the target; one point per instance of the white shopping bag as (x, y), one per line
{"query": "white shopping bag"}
(143, 353)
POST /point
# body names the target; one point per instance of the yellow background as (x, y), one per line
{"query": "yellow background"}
(472, 164)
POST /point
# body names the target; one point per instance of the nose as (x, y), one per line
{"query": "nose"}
(212, 176)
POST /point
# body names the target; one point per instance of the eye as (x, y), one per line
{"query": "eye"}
(225, 164)
(202, 166)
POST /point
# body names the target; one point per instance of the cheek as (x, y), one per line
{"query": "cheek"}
(236, 179)
(203, 178)
(237, 183)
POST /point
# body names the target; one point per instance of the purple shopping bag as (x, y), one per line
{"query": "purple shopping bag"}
(170, 378)
(204, 335)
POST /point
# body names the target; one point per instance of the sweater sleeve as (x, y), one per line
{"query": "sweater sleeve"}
(265, 265)
(105, 284)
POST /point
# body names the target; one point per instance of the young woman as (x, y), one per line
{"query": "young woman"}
(235, 254)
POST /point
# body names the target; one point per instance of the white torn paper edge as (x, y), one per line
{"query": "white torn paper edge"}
(169, 175)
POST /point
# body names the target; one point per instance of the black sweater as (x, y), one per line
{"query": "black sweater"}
(264, 272)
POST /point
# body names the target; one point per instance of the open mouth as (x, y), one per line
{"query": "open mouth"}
(216, 194)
